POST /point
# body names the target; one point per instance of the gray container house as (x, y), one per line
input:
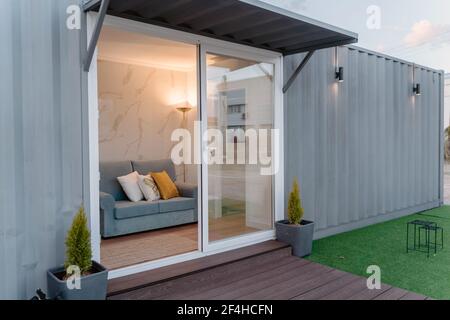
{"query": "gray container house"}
(368, 150)
(365, 150)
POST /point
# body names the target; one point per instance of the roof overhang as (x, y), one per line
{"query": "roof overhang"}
(247, 22)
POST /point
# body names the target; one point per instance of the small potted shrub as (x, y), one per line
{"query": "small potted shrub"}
(295, 231)
(80, 278)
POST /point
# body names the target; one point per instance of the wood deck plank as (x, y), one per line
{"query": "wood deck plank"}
(411, 296)
(236, 289)
(358, 285)
(325, 290)
(195, 292)
(298, 285)
(250, 289)
(209, 279)
(392, 294)
(143, 279)
(370, 294)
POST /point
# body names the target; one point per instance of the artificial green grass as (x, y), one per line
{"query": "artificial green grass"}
(385, 245)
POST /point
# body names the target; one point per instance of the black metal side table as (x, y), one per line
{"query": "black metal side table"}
(427, 228)
(428, 243)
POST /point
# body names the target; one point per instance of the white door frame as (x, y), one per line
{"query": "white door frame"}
(94, 171)
(94, 175)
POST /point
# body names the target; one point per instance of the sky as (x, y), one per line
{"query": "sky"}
(414, 30)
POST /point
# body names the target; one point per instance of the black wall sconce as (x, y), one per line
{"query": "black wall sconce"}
(416, 89)
(340, 74)
(339, 70)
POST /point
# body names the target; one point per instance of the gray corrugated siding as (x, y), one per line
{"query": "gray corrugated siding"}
(40, 130)
(364, 150)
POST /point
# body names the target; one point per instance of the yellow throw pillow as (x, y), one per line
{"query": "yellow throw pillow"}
(167, 188)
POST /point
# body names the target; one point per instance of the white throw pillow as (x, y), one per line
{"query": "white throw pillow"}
(130, 185)
(149, 188)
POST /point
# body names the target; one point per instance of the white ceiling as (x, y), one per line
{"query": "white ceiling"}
(134, 48)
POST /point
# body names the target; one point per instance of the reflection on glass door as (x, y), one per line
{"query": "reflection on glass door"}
(240, 104)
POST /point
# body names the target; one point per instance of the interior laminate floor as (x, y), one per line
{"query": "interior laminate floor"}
(153, 245)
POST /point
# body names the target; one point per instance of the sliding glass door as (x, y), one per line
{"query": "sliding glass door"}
(238, 119)
(223, 102)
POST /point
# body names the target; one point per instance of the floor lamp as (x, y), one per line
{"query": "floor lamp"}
(184, 108)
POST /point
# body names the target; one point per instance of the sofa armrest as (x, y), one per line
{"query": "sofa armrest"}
(107, 201)
(187, 190)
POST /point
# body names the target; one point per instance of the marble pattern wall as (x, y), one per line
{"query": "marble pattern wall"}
(137, 113)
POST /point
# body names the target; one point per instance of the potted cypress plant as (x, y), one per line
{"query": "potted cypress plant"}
(80, 278)
(295, 231)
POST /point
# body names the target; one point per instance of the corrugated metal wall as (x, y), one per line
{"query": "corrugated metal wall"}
(367, 149)
(41, 140)
(447, 100)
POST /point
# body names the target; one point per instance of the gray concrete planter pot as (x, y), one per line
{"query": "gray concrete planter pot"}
(300, 237)
(93, 286)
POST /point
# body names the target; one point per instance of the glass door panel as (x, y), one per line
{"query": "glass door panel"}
(240, 112)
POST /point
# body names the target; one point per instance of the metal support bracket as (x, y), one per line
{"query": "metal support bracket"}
(297, 71)
(96, 34)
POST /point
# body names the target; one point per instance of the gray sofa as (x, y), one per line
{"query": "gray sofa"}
(119, 216)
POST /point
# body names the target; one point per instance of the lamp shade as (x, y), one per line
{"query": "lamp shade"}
(184, 106)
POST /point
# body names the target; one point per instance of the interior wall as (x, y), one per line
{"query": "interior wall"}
(138, 114)
(365, 150)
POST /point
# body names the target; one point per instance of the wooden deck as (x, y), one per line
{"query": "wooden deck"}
(266, 271)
